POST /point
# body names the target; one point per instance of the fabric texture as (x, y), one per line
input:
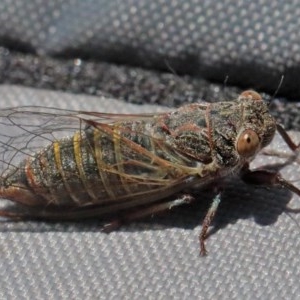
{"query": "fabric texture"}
(85, 55)
(251, 44)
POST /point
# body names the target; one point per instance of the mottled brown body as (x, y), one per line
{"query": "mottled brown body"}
(117, 161)
(110, 163)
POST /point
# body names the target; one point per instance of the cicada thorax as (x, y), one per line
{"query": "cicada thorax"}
(222, 136)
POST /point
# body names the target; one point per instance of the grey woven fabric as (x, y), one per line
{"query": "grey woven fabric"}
(253, 44)
(254, 246)
(253, 253)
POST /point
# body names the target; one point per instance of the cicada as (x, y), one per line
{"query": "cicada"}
(63, 164)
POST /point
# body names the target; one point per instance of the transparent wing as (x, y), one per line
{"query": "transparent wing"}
(24, 131)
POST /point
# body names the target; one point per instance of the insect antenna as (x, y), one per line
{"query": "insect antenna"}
(277, 90)
(225, 84)
(171, 69)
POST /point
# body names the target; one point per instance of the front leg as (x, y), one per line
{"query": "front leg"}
(207, 221)
(266, 178)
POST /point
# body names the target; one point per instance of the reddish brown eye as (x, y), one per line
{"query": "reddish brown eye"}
(251, 95)
(247, 143)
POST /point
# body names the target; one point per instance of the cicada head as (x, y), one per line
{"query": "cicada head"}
(258, 127)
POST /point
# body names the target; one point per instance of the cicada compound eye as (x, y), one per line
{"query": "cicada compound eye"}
(251, 95)
(247, 143)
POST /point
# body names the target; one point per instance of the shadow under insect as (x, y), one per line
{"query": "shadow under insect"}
(239, 201)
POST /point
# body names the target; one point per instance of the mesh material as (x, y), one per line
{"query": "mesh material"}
(254, 251)
(252, 44)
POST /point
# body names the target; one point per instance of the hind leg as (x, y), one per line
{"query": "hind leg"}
(151, 210)
(71, 213)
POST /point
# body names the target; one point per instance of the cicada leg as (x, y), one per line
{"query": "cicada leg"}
(93, 212)
(15, 216)
(207, 221)
(268, 177)
(147, 211)
(287, 138)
